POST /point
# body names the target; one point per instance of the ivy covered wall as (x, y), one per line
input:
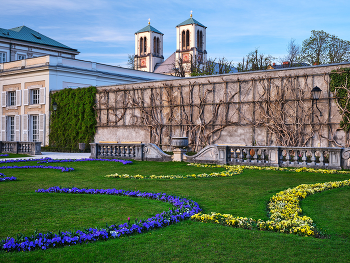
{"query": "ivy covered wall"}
(74, 121)
(340, 85)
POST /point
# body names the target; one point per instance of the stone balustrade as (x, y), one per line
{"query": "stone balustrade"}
(31, 148)
(311, 157)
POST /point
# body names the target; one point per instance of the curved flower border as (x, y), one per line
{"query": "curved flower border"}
(231, 170)
(50, 160)
(284, 212)
(183, 208)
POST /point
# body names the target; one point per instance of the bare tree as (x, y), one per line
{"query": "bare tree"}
(131, 61)
(255, 61)
(293, 52)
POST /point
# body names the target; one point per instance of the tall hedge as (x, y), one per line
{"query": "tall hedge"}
(74, 121)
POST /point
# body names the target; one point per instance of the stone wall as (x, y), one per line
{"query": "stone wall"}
(272, 107)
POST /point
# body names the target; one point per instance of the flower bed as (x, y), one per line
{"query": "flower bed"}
(5, 178)
(184, 208)
(284, 212)
(231, 170)
(49, 160)
(4, 155)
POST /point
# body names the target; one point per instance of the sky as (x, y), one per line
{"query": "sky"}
(103, 30)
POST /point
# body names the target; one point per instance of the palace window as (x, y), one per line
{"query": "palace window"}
(2, 57)
(11, 126)
(20, 57)
(35, 127)
(11, 96)
(34, 96)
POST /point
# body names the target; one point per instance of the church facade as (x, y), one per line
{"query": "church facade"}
(190, 44)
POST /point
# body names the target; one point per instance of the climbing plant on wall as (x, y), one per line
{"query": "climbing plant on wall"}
(74, 121)
(340, 85)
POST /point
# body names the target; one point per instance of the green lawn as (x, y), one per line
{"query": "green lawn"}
(13, 155)
(23, 210)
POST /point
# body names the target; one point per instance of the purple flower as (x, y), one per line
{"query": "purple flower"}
(183, 209)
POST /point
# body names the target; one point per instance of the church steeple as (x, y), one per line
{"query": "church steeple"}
(148, 48)
(191, 41)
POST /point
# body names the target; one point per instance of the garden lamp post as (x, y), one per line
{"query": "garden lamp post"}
(54, 106)
(316, 93)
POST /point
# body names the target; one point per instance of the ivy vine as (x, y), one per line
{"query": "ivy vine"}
(74, 121)
(340, 85)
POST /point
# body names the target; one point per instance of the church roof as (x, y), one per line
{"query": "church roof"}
(167, 66)
(149, 28)
(26, 34)
(190, 21)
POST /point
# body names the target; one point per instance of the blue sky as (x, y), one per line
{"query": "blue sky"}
(103, 30)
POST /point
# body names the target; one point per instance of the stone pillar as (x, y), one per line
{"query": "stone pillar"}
(178, 155)
(222, 154)
(93, 147)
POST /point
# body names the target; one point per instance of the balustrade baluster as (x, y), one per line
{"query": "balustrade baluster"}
(313, 158)
(288, 157)
(304, 158)
(255, 157)
(322, 158)
(248, 155)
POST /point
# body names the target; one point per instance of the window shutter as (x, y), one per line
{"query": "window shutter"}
(25, 97)
(42, 95)
(42, 129)
(3, 98)
(25, 127)
(3, 128)
(17, 128)
(18, 97)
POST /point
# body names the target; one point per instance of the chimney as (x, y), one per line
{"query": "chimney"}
(285, 64)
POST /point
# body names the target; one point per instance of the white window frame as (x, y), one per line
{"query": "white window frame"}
(34, 96)
(11, 128)
(11, 98)
(35, 128)
(3, 57)
(21, 56)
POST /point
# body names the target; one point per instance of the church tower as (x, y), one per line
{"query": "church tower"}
(148, 48)
(190, 42)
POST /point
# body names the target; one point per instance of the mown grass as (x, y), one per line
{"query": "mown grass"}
(13, 155)
(23, 210)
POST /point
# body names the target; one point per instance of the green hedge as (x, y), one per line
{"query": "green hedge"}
(74, 121)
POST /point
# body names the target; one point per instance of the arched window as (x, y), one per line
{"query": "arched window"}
(187, 39)
(198, 40)
(183, 40)
(141, 45)
(155, 46)
(145, 46)
(201, 40)
(158, 46)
